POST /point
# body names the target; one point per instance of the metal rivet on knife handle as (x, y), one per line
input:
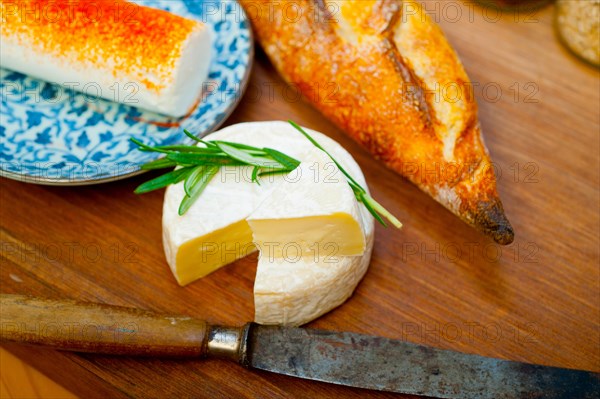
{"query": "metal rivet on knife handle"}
(229, 343)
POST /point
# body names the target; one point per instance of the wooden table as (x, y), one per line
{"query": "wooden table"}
(435, 282)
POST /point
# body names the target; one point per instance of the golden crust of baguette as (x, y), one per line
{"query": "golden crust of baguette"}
(401, 92)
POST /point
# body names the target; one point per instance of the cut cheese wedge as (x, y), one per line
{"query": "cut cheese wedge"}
(214, 232)
(312, 213)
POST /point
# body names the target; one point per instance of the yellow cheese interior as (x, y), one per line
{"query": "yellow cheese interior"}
(203, 255)
(336, 234)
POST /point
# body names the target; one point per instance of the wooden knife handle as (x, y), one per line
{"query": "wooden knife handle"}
(90, 327)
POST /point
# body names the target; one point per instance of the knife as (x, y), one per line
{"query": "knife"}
(337, 357)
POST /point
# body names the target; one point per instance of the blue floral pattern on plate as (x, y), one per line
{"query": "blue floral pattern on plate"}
(52, 135)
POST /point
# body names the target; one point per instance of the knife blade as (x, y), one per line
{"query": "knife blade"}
(336, 357)
(397, 366)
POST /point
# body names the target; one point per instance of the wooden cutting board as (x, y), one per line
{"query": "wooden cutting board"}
(435, 282)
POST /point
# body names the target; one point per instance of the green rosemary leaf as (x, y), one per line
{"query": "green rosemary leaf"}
(172, 177)
(274, 172)
(316, 144)
(192, 179)
(374, 207)
(209, 144)
(159, 164)
(202, 159)
(188, 148)
(144, 147)
(190, 135)
(255, 171)
(365, 201)
(243, 147)
(246, 158)
(381, 210)
(239, 146)
(204, 177)
(283, 159)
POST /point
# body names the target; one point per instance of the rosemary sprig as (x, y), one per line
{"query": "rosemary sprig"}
(198, 165)
(376, 209)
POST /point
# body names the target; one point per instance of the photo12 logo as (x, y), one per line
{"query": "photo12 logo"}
(60, 171)
(469, 252)
(122, 332)
(467, 11)
(68, 12)
(69, 252)
(468, 92)
(469, 331)
(124, 92)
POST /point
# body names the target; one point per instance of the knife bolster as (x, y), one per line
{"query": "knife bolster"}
(229, 343)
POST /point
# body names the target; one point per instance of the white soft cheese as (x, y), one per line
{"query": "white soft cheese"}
(214, 232)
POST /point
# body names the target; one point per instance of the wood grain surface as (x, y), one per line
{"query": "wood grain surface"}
(436, 282)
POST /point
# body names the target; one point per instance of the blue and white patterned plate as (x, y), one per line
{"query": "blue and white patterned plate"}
(51, 135)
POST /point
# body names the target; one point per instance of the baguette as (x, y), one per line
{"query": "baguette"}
(402, 93)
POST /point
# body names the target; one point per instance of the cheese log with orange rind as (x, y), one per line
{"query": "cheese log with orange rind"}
(114, 49)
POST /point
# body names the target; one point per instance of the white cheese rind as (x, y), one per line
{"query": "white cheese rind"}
(286, 291)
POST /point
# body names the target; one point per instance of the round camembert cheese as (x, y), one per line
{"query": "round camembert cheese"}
(291, 287)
